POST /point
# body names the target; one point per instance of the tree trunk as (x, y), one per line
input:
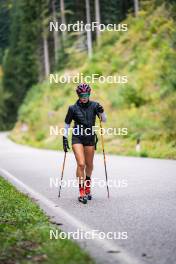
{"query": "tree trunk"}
(89, 36)
(136, 7)
(97, 19)
(55, 33)
(46, 56)
(63, 18)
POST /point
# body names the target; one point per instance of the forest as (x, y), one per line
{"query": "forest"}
(28, 51)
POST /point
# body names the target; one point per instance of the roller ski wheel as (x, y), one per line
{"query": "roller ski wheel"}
(82, 199)
(89, 196)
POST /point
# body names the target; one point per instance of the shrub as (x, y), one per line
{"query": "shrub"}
(168, 119)
(144, 154)
(57, 103)
(40, 136)
(131, 96)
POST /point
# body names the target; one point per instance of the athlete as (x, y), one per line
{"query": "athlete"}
(84, 140)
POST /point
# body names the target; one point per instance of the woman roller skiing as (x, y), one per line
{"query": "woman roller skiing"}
(84, 140)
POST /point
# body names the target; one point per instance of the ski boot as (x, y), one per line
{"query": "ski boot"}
(82, 198)
(87, 190)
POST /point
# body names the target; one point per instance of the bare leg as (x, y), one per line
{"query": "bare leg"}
(78, 150)
(89, 155)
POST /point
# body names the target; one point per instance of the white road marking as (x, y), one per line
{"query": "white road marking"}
(123, 257)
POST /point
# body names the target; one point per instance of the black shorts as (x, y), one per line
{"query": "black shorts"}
(84, 140)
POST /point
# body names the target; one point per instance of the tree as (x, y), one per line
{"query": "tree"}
(115, 11)
(55, 33)
(46, 54)
(44, 29)
(21, 62)
(97, 18)
(63, 18)
(136, 7)
(89, 36)
(5, 7)
(4, 96)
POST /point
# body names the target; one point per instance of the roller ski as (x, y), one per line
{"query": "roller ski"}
(87, 188)
(82, 198)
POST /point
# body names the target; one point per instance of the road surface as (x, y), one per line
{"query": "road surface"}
(141, 208)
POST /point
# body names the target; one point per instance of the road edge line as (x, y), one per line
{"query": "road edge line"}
(123, 257)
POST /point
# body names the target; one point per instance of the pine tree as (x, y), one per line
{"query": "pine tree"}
(5, 6)
(21, 63)
(44, 18)
(136, 7)
(55, 33)
(4, 96)
(97, 18)
(89, 37)
(63, 18)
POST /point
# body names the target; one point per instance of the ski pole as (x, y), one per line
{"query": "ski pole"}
(102, 142)
(62, 174)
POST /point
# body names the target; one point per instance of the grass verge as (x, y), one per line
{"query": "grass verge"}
(24, 233)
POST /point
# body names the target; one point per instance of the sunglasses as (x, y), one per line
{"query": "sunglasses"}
(84, 95)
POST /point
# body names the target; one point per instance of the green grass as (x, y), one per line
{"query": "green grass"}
(146, 54)
(24, 233)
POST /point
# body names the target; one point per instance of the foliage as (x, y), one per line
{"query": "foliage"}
(20, 63)
(4, 96)
(146, 54)
(168, 118)
(5, 7)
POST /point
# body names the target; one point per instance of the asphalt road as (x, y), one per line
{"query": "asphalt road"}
(142, 204)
